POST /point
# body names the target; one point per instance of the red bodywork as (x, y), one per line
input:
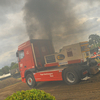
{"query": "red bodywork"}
(54, 75)
(69, 62)
(75, 61)
(34, 52)
(52, 64)
(28, 61)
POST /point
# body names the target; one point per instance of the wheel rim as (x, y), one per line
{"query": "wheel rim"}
(70, 77)
(29, 81)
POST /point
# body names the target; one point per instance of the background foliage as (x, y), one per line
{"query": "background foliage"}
(94, 41)
(5, 69)
(32, 94)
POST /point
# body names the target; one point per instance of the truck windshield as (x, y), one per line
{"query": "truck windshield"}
(21, 54)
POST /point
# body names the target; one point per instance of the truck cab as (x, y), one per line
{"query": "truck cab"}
(31, 55)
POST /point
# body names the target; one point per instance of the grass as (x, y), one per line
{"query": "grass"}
(19, 78)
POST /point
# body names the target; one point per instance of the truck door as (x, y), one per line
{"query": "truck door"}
(26, 60)
(21, 61)
(29, 60)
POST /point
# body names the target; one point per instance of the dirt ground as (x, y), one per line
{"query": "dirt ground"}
(85, 90)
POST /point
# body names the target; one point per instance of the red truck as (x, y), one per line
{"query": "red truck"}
(38, 62)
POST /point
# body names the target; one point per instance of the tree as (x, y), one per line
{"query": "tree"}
(1, 73)
(5, 69)
(94, 39)
(14, 65)
(90, 42)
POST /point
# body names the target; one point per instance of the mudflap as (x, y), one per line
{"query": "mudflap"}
(93, 70)
(84, 73)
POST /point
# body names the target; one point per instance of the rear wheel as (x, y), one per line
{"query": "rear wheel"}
(30, 81)
(70, 77)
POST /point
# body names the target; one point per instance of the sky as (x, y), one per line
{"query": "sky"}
(64, 21)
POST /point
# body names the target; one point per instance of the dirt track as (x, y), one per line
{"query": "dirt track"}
(85, 90)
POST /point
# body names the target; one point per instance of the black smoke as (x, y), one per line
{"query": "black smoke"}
(46, 17)
(54, 19)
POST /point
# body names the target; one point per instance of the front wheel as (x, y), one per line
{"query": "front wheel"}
(30, 81)
(70, 77)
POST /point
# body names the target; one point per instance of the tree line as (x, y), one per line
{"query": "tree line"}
(94, 41)
(5, 69)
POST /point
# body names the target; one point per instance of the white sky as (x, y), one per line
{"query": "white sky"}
(13, 30)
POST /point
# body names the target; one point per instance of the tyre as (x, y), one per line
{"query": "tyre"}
(70, 77)
(30, 81)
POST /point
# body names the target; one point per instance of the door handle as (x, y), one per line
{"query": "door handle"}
(25, 66)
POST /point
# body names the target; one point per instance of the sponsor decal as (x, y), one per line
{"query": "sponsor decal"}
(50, 74)
(21, 65)
(63, 63)
(60, 57)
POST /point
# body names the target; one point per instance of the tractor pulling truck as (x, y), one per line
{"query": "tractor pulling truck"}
(38, 62)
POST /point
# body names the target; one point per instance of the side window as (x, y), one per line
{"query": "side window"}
(21, 54)
(69, 52)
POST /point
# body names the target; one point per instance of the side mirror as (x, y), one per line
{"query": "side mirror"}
(17, 54)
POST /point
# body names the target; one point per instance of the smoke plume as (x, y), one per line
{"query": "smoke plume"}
(47, 17)
(53, 19)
